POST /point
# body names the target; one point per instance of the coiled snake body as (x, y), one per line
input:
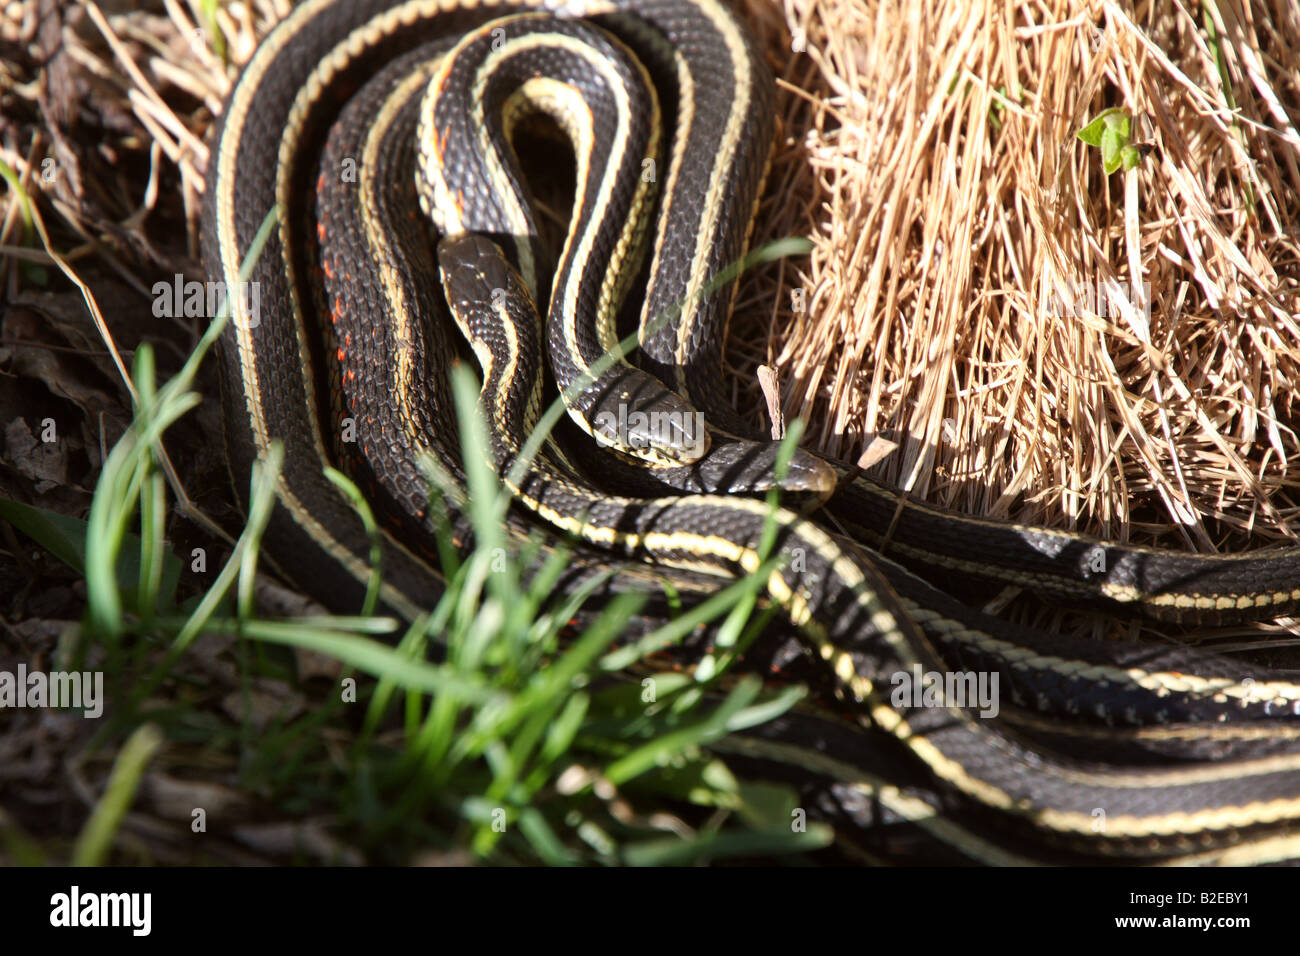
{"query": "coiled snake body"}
(377, 126)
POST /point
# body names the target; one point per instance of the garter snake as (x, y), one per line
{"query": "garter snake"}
(334, 121)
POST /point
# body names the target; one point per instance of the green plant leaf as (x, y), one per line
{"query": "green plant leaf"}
(1091, 134)
(703, 781)
(1112, 119)
(65, 538)
(1131, 156)
(1110, 146)
(767, 805)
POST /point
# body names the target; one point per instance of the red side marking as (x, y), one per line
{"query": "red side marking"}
(446, 135)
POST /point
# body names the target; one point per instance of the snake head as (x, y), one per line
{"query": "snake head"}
(477, 276)
(741, 467)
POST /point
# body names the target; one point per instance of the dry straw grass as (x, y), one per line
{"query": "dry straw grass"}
(929, 149)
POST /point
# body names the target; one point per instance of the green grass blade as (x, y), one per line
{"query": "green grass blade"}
(96, 836)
